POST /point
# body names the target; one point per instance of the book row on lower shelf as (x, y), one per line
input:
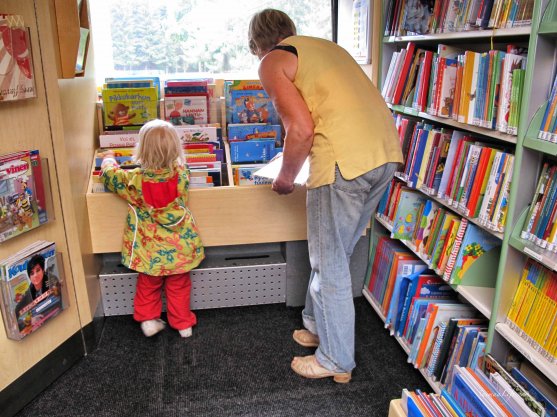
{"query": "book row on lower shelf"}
(467, 174)
(484, 389)
(32, 288)
(477, 88)
(436, 327)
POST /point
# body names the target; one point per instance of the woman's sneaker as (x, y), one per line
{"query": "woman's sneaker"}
(152, 327)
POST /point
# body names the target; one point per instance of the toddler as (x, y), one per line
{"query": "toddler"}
(161, 241)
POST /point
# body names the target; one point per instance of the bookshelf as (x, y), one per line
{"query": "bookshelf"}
(493, 295)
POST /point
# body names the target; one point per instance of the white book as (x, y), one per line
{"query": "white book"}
(272, 169)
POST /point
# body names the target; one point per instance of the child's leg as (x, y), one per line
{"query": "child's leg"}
(147, 303)
(178, 288)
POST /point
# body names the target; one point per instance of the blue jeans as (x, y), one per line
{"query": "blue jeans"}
(337, 216)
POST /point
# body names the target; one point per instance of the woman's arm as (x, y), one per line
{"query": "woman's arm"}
(277, 71)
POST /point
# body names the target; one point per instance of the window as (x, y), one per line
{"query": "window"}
(189, 38)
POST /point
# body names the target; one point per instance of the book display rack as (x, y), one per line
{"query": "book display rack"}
(494, 287)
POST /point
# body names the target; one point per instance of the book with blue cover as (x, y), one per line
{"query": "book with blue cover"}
(407, 214)
(250, 131)
(252, 106)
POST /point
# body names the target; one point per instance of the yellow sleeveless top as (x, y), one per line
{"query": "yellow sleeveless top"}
(354, 129)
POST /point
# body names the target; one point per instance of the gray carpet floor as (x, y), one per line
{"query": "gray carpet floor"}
(237, 363)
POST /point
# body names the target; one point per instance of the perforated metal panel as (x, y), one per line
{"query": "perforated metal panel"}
(219, 282)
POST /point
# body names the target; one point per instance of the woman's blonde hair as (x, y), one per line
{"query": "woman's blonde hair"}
(267, 28)
(159, 146)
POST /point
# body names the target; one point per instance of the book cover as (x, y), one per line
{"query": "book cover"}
(19, 208)
(272, 169)
(129, 106)
(187, 109)
(538, 386)
(446, 251)
(406, 214)
(249, 131)
(444, 232)
(17, 81)
(468, 399)
(404, 73)
(252, 106)
(475, 244)
(31, 289)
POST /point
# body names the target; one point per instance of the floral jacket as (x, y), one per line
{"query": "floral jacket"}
(160, 237)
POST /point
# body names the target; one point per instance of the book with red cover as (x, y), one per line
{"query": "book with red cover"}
(409, 57)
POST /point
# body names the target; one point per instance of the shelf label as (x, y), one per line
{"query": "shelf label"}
(533, 254)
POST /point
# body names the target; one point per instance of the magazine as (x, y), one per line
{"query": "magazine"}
(31, 288)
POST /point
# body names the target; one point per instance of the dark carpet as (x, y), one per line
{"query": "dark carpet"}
(237, 363)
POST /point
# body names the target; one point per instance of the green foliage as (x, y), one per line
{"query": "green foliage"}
(180, 36)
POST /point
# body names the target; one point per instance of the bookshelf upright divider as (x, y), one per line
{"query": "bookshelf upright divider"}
(492, 295)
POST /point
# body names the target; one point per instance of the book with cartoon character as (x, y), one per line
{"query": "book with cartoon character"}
(19, 207)
(31, 289)
(128, 107)
(252, 106)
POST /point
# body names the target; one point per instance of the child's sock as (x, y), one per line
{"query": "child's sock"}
(185, 332)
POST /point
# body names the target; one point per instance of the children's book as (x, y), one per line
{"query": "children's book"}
(545, 395)
(400, 289)
(129, 106)
(252, 106)
(476, 243)
(31, 288)
(406, 217)
(272, 169)
(192, 109)
(249, 131)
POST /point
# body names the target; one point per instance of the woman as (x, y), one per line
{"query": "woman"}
(334, 114)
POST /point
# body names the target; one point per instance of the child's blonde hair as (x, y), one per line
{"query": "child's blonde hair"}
(159, 146)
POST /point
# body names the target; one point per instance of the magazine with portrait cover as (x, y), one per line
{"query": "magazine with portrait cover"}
(31, 288)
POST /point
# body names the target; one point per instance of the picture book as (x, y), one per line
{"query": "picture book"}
(244, 175)
(187, 109)
(402, 263)
(252, 106)
(444, 228)
(400, 289)
(17, 80)
(129, 106)
(505, 390)
(249, 131)
(251, 151)
(406, 216)
(134, 81)
(31, 288)
(455, 249)
(476, 243)
(272, 169)
(419, 285)
(20, 210)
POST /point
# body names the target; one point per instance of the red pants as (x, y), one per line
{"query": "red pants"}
(147, 304)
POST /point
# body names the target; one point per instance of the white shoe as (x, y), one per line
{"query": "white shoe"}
(185, 332)
(152, 327)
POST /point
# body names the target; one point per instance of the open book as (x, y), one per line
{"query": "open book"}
(272, 169)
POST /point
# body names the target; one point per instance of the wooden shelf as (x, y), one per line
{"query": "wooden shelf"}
(224, 215)
(71, 15)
